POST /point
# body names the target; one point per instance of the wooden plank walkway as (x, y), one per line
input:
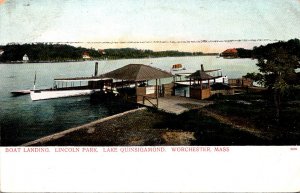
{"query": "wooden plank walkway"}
(177, 104)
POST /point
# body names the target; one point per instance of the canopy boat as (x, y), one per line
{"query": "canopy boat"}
(177, 67)
(69, 87)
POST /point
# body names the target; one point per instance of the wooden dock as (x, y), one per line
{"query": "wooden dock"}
(176, 104)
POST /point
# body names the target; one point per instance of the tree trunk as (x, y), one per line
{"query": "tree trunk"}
(277, 101)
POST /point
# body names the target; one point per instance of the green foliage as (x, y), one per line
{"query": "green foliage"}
(39, 52)
(277, 63)
(292, 47)
(257, 77)
(278, 67)
(244, 53)
(42, 52)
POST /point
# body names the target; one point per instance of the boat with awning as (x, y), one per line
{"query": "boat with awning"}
(69, 87)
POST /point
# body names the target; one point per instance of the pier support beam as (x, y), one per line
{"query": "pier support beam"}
(96, 68)
(156, 93)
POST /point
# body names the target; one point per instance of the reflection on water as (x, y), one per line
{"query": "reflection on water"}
(26, 123)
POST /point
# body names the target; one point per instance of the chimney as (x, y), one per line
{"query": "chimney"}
(202, 68)
(96, 68)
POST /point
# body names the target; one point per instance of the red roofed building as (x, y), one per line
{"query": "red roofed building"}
(230, 53)
(86, 56)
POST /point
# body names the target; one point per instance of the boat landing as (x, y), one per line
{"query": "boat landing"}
(176, 104)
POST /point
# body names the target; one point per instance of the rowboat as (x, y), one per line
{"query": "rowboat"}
(20, 92)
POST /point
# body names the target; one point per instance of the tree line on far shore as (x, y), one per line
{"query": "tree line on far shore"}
(292, 45)
(44, 52)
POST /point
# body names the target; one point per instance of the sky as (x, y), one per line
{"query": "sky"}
(93, 23)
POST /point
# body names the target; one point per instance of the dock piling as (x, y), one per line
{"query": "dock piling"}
(96, 68)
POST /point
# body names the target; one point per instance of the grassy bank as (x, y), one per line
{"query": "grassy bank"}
(148, 127)
(258, 111)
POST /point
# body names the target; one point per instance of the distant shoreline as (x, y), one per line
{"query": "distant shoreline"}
(31, 62)
(96, 59)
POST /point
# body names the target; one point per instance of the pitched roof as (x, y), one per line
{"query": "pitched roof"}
(200, 75)
(137, 72)
(232, 50)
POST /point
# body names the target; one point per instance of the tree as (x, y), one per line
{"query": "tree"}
(257, 77)
(277, 66)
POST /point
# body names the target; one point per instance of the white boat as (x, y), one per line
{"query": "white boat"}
(94, 85)
(223, 79)
(50, 94)
(70, 87)
(177, 67)
(215, 77)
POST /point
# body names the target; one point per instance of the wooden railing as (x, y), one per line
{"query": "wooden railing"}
(148, 99)
(133, 98)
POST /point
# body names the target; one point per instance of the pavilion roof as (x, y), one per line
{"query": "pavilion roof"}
(137, 72)
(200, 75)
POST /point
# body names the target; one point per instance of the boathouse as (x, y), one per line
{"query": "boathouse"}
(199, 89)
(201, 80)
(132, 82)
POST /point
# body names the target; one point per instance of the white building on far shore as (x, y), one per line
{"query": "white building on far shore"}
(86, 56)
(25, 58)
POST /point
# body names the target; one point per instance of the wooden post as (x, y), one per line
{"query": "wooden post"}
(156, 93)
(160, 87)
(96, 68)
(136, 92)
(201, 84)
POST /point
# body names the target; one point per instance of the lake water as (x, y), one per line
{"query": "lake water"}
(22, 120)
